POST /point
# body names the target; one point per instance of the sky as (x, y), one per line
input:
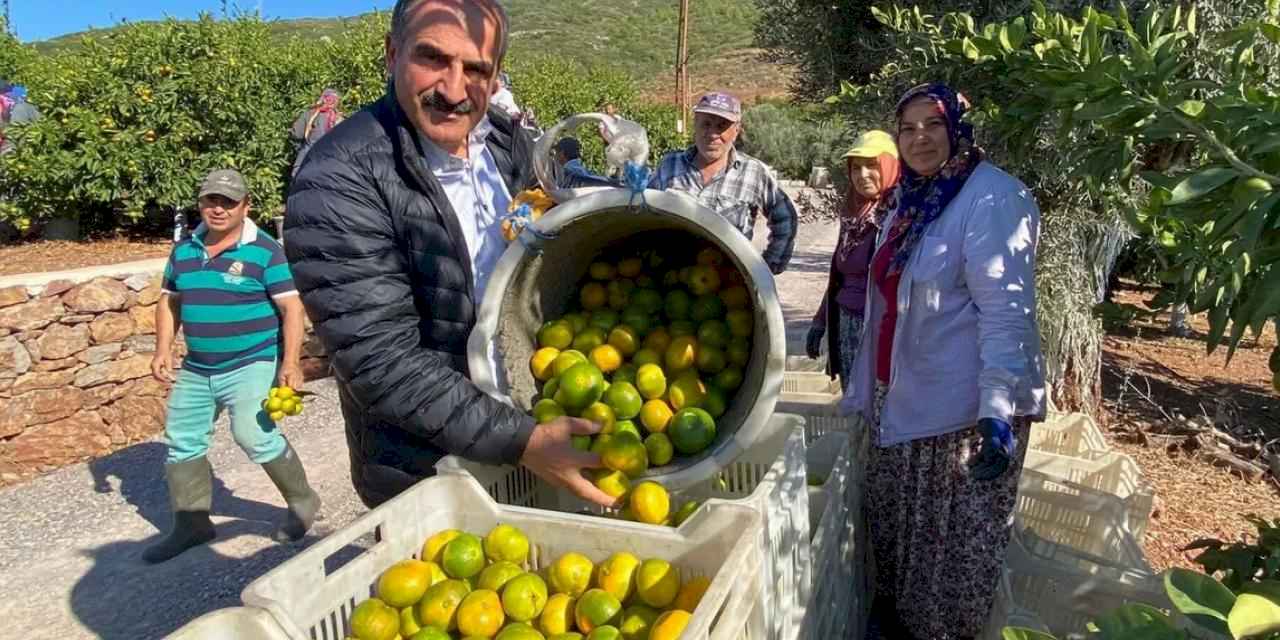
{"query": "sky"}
(35, 20)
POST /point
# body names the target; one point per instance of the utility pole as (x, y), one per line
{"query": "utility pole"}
(8, 22)
(682, 69)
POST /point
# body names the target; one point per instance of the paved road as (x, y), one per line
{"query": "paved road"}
(70, 562)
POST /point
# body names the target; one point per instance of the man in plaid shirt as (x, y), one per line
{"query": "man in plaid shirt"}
(728, 181)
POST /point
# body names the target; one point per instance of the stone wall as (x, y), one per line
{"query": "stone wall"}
(75, 371)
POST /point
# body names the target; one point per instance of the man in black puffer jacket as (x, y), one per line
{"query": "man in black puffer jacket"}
(393, 228)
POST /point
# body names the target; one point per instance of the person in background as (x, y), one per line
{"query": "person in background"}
(949, 375)
(573, 173)
(872, 169)
(22, 111)
(730, 182)
(504, 98)
(228, 286)
(314, 123)
(395, 227)
(6, 103)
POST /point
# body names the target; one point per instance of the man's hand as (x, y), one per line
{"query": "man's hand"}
(290, 375)
(550, 455)
(162, 366)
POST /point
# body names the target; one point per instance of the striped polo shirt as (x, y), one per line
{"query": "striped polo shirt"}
(227, 312)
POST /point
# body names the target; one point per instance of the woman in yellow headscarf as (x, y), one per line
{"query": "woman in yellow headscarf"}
(872, 168)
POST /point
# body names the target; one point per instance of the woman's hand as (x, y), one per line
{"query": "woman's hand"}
(998, 447)
(813, 341)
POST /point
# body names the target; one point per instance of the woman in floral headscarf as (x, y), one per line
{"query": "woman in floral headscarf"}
(872, 168)
(949, 376)
(314, 123)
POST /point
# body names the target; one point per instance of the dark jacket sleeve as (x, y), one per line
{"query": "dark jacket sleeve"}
(356, 285)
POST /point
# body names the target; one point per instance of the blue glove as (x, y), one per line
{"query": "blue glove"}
(813, 341)
(998, 447)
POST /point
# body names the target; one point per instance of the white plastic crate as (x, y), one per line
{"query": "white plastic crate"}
(847, 552)
(1110, 472)
(820, 411)
(1068, 434)
(770, 477)
(824, 457)
(1005, 612)
(809, 382)
(1093, 523)
(234, 623)
(312, 601)
(1066, 593)
(836, 595)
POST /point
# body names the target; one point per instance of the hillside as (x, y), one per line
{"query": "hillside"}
(636, 35)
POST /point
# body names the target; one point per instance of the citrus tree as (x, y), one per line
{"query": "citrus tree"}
(14, 56)
(1180, 114)
(136, 115)
(134, 118)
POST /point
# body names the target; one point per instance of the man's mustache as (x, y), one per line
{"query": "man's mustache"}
(435, 101)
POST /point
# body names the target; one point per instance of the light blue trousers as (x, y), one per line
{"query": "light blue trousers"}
(197, 400)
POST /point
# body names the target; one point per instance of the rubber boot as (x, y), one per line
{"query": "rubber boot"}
(190, 497)
(291, 479)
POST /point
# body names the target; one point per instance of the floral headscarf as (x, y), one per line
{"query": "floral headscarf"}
(921, 199)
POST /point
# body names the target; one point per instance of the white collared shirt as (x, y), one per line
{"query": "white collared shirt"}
(479, 197)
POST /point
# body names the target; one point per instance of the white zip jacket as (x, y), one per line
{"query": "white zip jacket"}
(966, 345)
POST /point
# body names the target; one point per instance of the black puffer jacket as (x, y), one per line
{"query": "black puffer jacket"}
(379, 256)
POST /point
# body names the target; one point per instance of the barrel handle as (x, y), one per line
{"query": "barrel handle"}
(630, 144)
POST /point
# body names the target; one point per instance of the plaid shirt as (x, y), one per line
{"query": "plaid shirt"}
(739, 193)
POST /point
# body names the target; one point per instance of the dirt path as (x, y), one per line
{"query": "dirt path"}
(71, 561)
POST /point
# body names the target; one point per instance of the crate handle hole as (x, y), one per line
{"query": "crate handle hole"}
(352, 550)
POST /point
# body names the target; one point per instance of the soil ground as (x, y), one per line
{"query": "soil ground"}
(1150, 377)
(59, 255)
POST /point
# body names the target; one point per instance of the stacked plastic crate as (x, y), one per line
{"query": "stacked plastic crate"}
(839, 603)
(1081, 514)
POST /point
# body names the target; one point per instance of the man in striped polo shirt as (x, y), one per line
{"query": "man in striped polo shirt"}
(230, 288)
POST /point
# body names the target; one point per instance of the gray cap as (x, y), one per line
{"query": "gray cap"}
(720, 104)
(225, 182)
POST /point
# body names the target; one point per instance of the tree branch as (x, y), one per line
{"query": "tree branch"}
(1226, 152)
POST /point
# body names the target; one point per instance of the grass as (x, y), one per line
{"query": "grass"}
(638, 36)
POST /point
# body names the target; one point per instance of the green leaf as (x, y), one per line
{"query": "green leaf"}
(1270, 32)
(1267, 145)
(1191, 108)
(1089, 43)
(1191, 20)
(970, 49)
(1253, 615)
(1201, 184)
(1147, 24)
(1267, 302)
(1017, 33)
(1103, 109)
(1018, 633)
(1199, 597)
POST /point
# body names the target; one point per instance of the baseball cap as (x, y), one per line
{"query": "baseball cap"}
(720, 104)
(225, 182)
(872, 144)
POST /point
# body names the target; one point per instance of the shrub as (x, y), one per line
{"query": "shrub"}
(793, 140)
